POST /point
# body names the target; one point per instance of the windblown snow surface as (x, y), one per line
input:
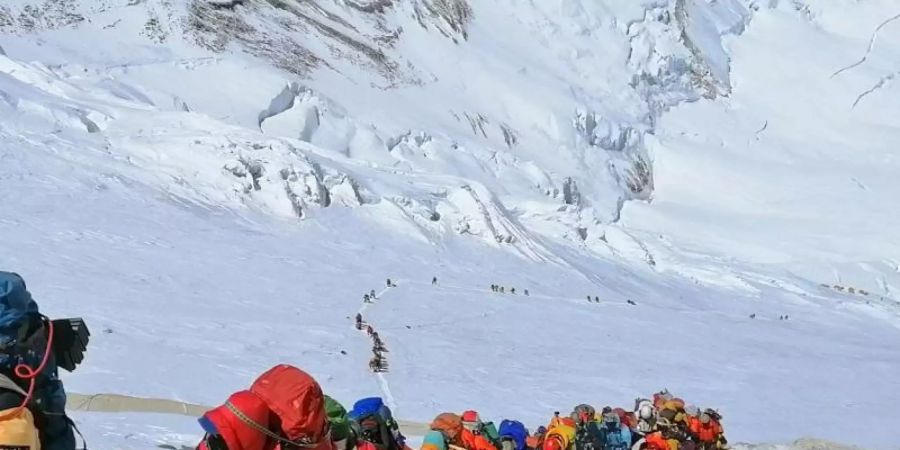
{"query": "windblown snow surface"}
(214, 185)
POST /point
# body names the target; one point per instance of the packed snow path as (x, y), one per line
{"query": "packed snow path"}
(380, 377)
(869, 49)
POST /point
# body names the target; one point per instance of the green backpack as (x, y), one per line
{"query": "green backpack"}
(341, 429)
(489, 430)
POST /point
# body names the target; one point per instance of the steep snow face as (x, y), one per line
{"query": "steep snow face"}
(796, 168)
(526, 100)
(214, 184)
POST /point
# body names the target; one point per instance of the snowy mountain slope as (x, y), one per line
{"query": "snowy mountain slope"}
(569, 93)
(215, 187)
(824, 209)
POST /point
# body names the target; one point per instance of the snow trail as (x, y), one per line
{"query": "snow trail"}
(880, 84)
(383, 384)
(869, 49)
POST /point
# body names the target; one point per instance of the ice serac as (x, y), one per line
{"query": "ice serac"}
(484, 92)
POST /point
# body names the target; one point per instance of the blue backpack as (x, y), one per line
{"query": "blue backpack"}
(376, 424)
(23, 340)
(368, 406)
(514, 430)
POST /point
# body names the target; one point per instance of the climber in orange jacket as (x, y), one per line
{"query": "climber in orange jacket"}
(664, 438)
(445, 433)
(707, 430)
(472, 439)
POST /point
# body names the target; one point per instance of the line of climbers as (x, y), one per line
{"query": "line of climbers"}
(665, 423)
(502, 289)
(285, 409)
(378, 363)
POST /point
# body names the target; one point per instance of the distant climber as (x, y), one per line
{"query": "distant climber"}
(366, 298)
(476, 435)
(588, 435)
(378, 364)
(663, 438)
(706, 430)
(433, 280)
(536, 440)
(501, 289)
(359, 321)
(526, 292)
(372, 294)
(512, 290)
(596, 299)
(615, 435)
(753, 316)
(560, 435)
(646, 416)
(589, 299)
(389, 283)
(513, 435)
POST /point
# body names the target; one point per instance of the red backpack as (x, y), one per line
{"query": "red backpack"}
(285, 408)
(296, 398)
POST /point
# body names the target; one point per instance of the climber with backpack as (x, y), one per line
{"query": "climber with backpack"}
(32, 348)
(376, 425)
(343, 435)
(477, 435)
(445, 433)
(706, 430)
(646, 417)
(614, 434)
(668, 436)
(588, 435)
(536, 440)
(283, 409)
(560, 435)
(513, 435)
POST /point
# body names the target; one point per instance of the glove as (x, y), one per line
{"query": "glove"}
(70, 340)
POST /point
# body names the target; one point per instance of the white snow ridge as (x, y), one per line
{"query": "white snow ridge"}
(213, 185)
